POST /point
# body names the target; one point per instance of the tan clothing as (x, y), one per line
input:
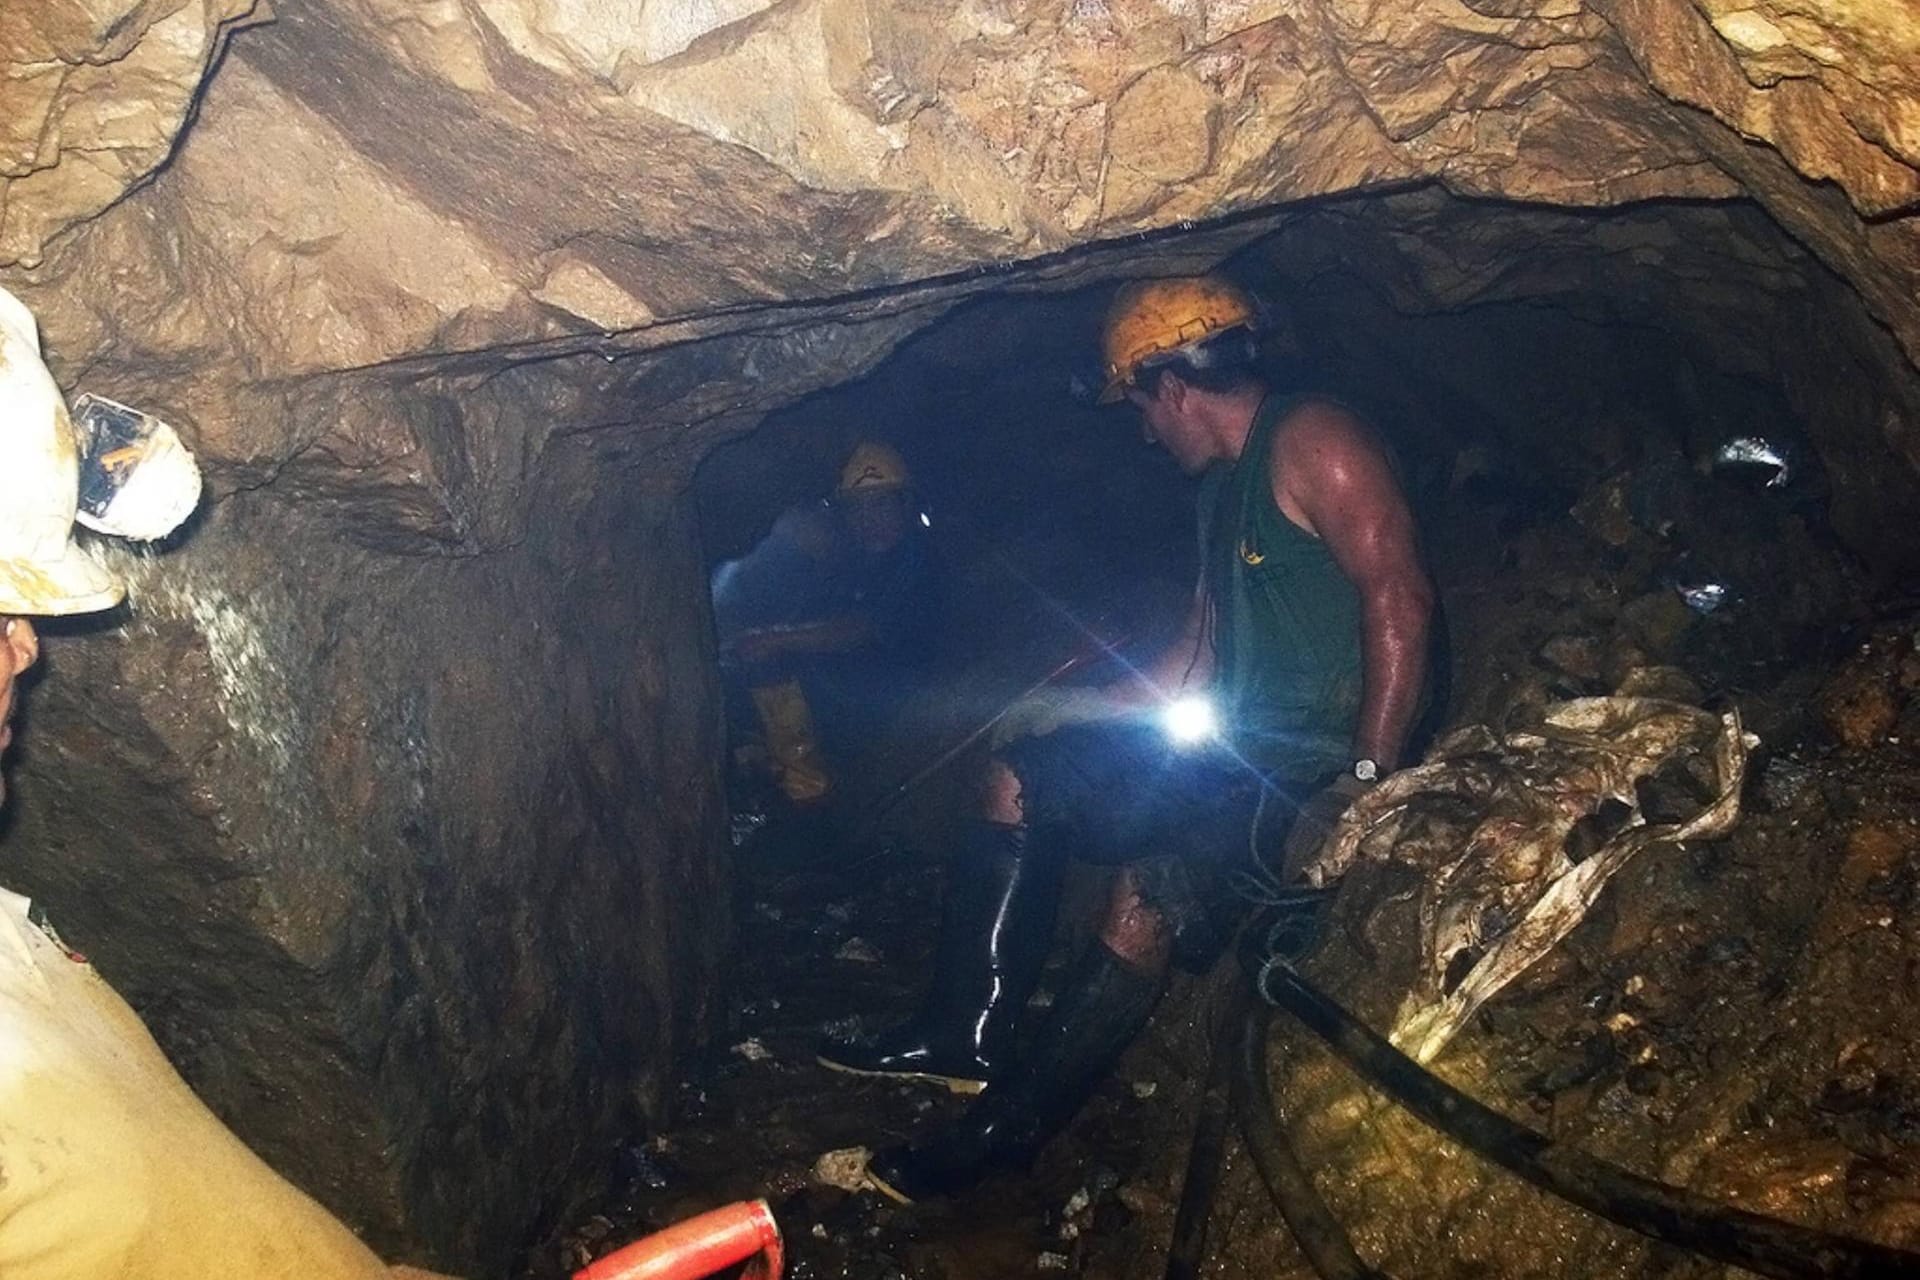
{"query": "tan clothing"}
(110, 1167)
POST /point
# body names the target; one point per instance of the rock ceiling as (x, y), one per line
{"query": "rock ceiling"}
(286, 226)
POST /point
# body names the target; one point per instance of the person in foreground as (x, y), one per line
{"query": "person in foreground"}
(110, 1167)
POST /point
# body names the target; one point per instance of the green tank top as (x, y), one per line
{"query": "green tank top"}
(1285, 625)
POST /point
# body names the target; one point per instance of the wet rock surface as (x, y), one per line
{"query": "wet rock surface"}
(382, 849)
(1701, 1025)
(1713, 1024)
(1513, 839)
(1727, 1021)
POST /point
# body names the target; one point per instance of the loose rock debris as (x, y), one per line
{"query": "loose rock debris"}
(845, 1169)
(753, 1051)
(857, 951)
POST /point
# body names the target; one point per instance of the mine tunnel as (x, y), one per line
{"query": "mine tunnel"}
(500, 884)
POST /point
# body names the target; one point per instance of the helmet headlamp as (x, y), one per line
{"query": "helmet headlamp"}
(1190, 720)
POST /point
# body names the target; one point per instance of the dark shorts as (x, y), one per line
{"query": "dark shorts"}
(1180, 817)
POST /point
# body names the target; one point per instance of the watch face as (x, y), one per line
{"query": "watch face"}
(1365, 770)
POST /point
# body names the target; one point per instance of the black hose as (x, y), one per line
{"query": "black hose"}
(1315, 1229)
(1202, 1181)
(1761, 1244)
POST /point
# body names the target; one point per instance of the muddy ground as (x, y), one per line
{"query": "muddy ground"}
(1735, 1016)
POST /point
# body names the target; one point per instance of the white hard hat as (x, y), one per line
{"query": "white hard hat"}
(41, 570)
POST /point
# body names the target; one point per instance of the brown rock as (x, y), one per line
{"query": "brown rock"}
(1790, 1177)
(1602, 512)
(354, 823)
(1660, 619)
(1895, 1222)
(1577, 656)
(1160, 133)
(1861, 705)
(1871, 851)
(92, 100)
(1670, 683)
(438, 291)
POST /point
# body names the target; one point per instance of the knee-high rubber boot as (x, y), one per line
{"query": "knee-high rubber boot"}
(994, 940)
(799, 765)
(1096, 1018)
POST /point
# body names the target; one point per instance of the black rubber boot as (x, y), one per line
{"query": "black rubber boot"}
(994, 940)
(1100, 1011)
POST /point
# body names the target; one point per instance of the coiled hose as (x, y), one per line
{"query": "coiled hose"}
(1238, 1076)
(1766, 1246)
(1318, 1233)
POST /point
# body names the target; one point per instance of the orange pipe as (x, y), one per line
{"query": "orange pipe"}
(699, 1247)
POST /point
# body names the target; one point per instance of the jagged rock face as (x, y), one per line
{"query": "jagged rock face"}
(451, 294)
(94, 93)
(372, 187)
(561, 156)
(407, 861)
(1546, 348)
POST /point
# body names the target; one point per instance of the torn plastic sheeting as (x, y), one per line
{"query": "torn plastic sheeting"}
(1706, 597)
(1527, 791)
(1755, 451)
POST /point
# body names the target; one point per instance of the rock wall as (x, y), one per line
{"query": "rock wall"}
(1726, 1019)
(578, 145)
(558, 161)
(582, 193)
(92, 100)
(408, 861)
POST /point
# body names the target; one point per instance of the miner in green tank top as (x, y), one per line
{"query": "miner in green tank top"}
(1285, 618)
(1307, 634)
(1309, 626)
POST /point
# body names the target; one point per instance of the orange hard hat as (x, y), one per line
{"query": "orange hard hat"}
(1164, 316)
(873, 467)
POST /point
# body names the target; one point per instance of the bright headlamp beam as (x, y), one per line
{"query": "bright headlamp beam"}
(1189, 720)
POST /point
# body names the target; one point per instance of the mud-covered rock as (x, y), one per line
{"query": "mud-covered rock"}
(1576, 656)
(1861, 705)
(1728, 1018)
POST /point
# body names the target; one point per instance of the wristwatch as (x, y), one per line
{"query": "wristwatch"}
(1366, 770)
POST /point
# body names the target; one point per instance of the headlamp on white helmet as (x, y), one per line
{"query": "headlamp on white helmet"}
(141, 481)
